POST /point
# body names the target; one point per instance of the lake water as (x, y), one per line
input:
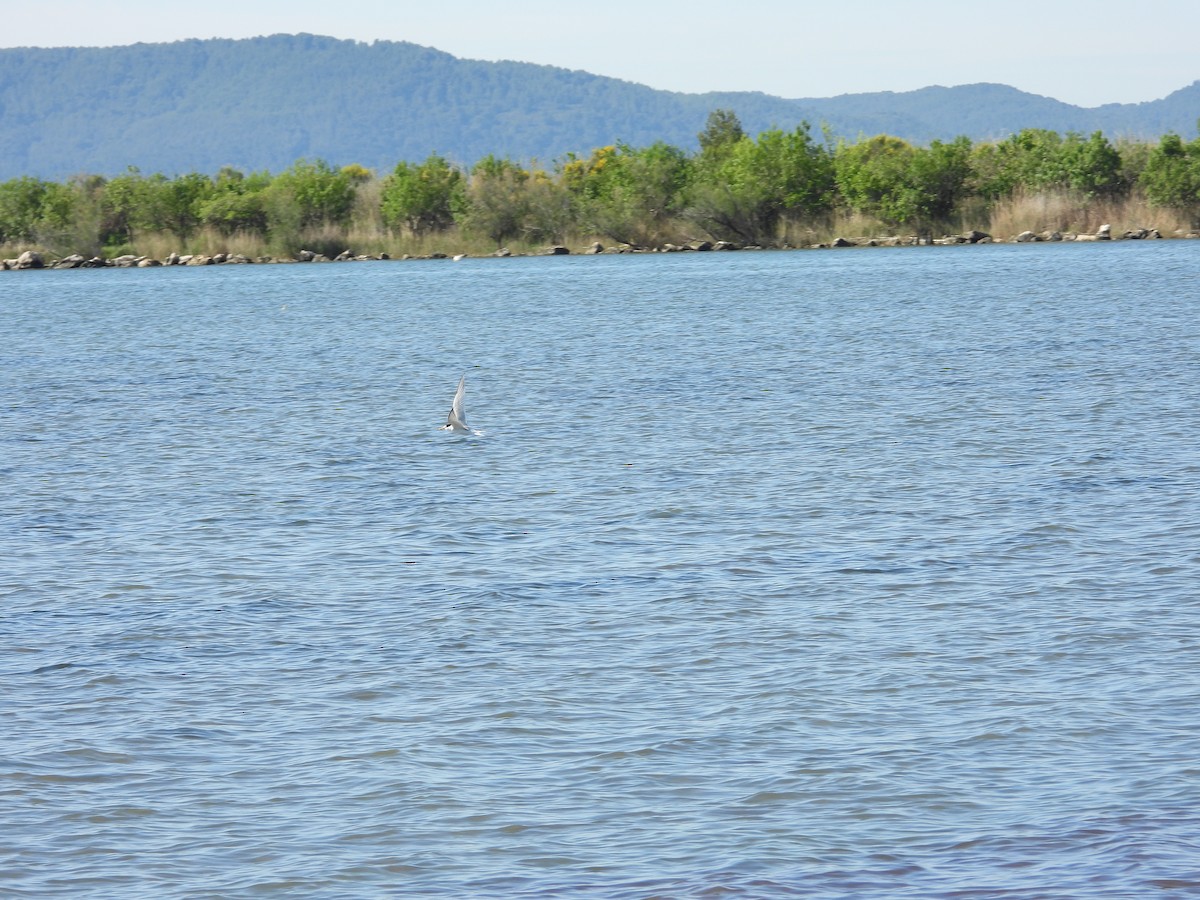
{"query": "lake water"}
(865, 573)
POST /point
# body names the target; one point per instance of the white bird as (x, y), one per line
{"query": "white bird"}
(456, 421)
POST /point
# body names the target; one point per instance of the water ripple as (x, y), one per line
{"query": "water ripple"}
(856, 575)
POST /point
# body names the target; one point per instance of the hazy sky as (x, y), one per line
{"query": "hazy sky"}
(1087, 53)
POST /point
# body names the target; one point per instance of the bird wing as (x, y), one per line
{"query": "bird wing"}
(457, 413)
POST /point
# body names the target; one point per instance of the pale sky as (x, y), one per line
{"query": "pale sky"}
(1086, 53)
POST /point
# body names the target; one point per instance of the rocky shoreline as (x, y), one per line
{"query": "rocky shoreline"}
(33, 259)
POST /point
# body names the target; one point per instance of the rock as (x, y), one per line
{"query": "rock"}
(842, 242)
(1087, 237)
(702, 246)
(30, 259)
(594, 248)
(1137, 234)
(306, 256)
(976, 237)
(724, 245)
(502, 252)
(1026, 237)
(200, 260)
(383, 256)
(1104, 233)
(344, 256)
(96, 262)
(171, 259)
(1052, 237)
(74, 261)
(127, 261)
(147, 262)
(557, 250)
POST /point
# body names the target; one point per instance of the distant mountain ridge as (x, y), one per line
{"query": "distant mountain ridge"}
(263, 103)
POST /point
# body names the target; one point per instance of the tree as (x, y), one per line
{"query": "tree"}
(29, 206)
(722, 131)
(1172, 175)
(900, 184)
(1092, 166)
(178, 204)
(237, 202)
(782, 174)
(125, 208)
(497, 203)
(630, 195)
(319, 194)
(423, 198)
(938, 176)
(1036, 160)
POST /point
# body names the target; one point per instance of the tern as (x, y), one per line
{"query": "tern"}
(456, 421)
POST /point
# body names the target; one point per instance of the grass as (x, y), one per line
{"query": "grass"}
(366, 234)
(1066, 213)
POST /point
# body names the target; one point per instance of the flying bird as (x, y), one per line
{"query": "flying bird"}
(456, 421)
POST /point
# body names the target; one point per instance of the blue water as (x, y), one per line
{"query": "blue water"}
(867, 573)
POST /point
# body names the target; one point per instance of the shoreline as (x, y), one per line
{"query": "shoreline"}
(35, 259)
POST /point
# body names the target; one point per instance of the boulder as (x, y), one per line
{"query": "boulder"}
(702, 246)
(306, 256)
(30, 259)
(1104, 233)
(74, 261)
(172, 259)
(842, 242)
(344, 256)
(200, 260)
(126, 261)
(1026, 237)
(147, 262)
(977, 237)
(594, 248)
(724, 245)
(502, 252)
(557, 250)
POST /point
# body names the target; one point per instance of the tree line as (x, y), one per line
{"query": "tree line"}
(759, 190)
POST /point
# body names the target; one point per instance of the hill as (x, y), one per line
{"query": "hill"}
(263, 103)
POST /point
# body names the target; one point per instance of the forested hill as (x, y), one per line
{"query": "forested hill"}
(264, 103)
